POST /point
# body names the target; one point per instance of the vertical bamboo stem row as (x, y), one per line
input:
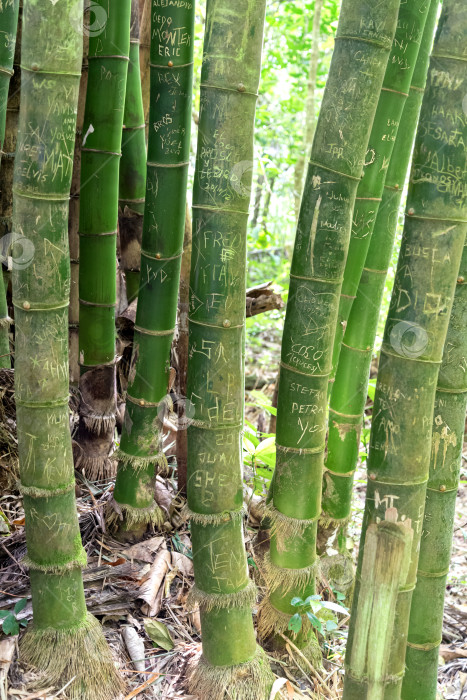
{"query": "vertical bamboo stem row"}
(426, 622)
(432, 244)
(364, 37)
(349, 391)
(394, 93)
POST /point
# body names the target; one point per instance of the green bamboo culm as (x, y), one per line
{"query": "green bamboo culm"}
(162, 246)
(364, 38)
(109, 45)
(426, 621)
(132, 186)
(8, 24)
(415, 333)
(349, 391)
(232, 665)
(394, 94)
(64, 642)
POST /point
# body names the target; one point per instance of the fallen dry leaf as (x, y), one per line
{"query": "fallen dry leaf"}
(150, 589)
(144, 551)
(135, 646)
(182, 563)
(449, 653)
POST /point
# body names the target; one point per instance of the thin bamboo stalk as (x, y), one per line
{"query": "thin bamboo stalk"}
(132, 184)
(100, 158)
(8, 25)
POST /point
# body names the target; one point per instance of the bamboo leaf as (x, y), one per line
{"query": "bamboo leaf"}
(295, 623)
(159, 634)
(20, 605)
(10, 625)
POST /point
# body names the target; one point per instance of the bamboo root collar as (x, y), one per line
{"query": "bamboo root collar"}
(79, 652)
(288, 579)
(248, 681)
(119, 512)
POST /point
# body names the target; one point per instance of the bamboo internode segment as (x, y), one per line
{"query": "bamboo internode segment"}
(349, 390)
(365, 34)
(162, 246)
(415, 333)
(64, 638)
(231, 666)
(8, 25)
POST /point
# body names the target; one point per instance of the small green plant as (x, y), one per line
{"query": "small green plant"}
(260, 456)
(11, 624)
(314, 608)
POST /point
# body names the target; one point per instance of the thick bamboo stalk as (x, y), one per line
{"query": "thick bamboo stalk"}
(384, 569)
(100, 157)
(132, 186)
(162, 246)
(64, 642)
(364, 38)
(349, 391)
(394, 94)
(8, 25)
(432, 244)
(426, 622)
(232, 665)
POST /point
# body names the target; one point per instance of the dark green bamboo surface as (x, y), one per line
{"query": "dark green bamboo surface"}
(8, 25)
(162, 246)
(426, 622)
(132, 186)
(100, 157)
(349, 391)
(434, 234)
(51, 65)
(394, 94)
(224, 161)
(364, 38)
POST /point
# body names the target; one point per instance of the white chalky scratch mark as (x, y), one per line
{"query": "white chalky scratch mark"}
(90, 128)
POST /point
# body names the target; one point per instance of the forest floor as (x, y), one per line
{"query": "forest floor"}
(139, 591)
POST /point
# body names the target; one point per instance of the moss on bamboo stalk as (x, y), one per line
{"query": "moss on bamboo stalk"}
(162, 245)
(433, 239)
(394, 93)
(65, 643)
(100, 157)
(132, 188)
(349, 391)
(232, 665)
(364, 38)
(8, 25)
(426, 622)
